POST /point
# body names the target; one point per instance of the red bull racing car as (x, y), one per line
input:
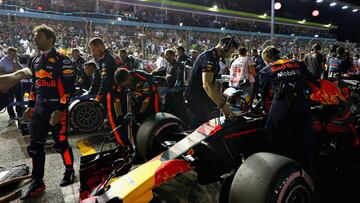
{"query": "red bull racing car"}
(230, 151)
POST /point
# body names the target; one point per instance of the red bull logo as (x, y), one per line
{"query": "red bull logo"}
(42, 74)
(44, 83)
(42, 79)
(328, 94)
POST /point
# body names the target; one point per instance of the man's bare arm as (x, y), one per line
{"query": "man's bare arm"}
(9, 80)
(211, 89)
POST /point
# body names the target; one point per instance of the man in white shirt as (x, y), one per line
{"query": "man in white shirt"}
(10, 64)
(160, 62)
(242, 72)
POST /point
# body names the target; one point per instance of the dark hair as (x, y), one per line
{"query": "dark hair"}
(340, 50)
(242, 51)
(122, 50)
(316, 47)
(333, 48)
(228, 42)
(91, 63)
(270, 53)
(96, 41)
(120, 75)
(76, 50)
(48, 31)
(170, 51)
(11, 49)
(254, 50)
(180, 48)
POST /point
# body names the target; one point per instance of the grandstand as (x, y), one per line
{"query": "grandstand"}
(125, 23)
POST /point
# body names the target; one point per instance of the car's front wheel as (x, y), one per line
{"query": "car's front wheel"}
(156, 132)
(267, 177)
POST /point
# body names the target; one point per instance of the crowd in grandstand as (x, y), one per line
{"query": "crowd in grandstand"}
(17, 32)
(162, 16)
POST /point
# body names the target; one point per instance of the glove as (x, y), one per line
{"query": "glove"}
(97, 99)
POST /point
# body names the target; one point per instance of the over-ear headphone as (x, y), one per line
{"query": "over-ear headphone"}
(228, 42)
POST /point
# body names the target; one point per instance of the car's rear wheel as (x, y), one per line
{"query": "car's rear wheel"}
(266, 177)
(85, 116)
(156, 132)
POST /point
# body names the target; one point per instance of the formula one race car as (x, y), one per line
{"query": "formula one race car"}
(230, 151)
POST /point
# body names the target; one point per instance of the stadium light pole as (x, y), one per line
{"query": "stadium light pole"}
(272, 20)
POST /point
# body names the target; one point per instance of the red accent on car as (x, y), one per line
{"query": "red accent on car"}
(208, 130)
(240, 133)
(170, 169)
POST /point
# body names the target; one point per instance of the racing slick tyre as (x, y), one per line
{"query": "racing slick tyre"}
(225, 188)
(267, 177)
(85, 116)
(157, 130)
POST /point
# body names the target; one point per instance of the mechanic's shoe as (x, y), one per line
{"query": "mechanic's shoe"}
(35, 188)
(68, 179)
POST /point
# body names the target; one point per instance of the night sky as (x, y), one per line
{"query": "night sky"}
(347, 21)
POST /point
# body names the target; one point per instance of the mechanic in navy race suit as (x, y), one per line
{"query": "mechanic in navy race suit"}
(145, 98)
(202, 94)
(288, 126)
(107, 66)
(53, 84)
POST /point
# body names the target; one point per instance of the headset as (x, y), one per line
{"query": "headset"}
(228, 42)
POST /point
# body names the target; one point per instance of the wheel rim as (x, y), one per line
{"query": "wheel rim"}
(298, 194)
(88, 118)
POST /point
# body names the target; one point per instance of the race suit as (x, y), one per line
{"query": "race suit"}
(201, 107)
(53, 84)
(142, 89)
(288, 126)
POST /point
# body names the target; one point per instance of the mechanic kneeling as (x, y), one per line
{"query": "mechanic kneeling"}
(145, 97)
(288, 126)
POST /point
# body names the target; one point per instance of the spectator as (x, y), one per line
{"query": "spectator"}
(93, 73)
(128, 61)
(82, 80)
(242, 73)
(314, 61)
(160, 62)
(10, 64)
(182, 57)
(174, 76)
